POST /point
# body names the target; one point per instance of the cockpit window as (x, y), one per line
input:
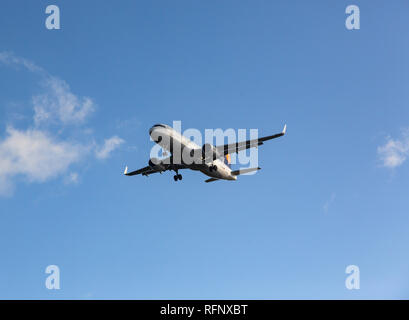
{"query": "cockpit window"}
(160, 125)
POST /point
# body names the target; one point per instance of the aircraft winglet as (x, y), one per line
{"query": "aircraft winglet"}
(126, 170)
(285, 129)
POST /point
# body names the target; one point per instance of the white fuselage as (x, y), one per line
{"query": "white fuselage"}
(171, 140)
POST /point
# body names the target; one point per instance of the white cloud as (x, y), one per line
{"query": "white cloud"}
(60, 104)
(110, 145)
(40, 155)
(394, 152)
(35, 155)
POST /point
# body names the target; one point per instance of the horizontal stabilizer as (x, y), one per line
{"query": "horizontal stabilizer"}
(244, 171)
(211, 180)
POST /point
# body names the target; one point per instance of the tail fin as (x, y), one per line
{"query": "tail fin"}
(244, 171)
(227, 160)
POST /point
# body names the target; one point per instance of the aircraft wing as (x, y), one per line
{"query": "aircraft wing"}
(240, 146)
(146, 171)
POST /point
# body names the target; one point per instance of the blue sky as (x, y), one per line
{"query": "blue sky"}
(76, 105)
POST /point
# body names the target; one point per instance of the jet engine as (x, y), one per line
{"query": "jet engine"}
(209, 152)
(156, 164)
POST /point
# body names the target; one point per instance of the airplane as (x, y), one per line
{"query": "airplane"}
(213, 161)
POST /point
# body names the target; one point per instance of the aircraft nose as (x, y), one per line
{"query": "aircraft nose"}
(155, 127)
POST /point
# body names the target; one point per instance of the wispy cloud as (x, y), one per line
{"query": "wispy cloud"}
(329, 202)
(10, 59)
(59, 104)
(110, 145)
(36, 152)
(71, 178)
(395, 151)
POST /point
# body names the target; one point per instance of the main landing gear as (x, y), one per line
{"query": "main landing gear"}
(212, 168)
(177, 176)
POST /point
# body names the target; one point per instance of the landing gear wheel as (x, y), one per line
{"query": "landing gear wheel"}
(214, 168)
(179, 176)
(175, 177)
